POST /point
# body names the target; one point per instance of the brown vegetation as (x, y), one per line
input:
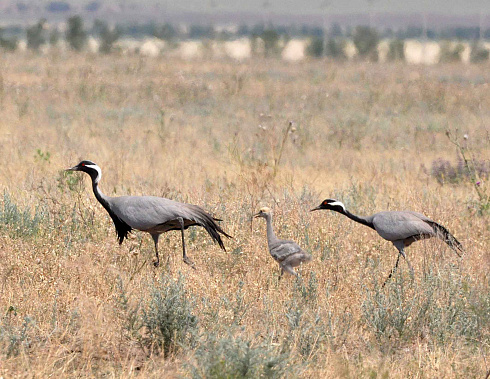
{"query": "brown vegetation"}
(73, 302)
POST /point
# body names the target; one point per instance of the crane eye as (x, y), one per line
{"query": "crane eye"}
(325, 202)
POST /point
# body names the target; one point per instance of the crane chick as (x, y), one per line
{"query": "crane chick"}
(286, 253)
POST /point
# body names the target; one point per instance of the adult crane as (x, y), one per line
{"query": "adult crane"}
(151, 214)
(402, 228)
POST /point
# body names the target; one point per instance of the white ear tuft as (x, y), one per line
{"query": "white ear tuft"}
(339, 203)
(99, 172)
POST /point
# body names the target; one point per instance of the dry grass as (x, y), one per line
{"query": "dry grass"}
(74, 303)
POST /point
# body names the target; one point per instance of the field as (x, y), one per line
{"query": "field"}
(73, 303)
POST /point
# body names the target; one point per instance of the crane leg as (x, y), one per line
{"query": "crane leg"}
(156, 260)
(289, 269)
(401, 250)
(186, 260)
(392, 270)
(408, 263)
(282, 272)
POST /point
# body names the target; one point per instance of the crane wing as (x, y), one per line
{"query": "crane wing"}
(394, 226)
(282, 249)
(158, 215)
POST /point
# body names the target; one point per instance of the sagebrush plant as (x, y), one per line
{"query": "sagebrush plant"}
(20, 223)
(188, 131)
(14, 339)
(164, 322)
(441, 308)
(232, 355)
(476, 170)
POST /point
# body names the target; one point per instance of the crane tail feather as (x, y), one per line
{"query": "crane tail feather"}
(447, 237)
(209, 223)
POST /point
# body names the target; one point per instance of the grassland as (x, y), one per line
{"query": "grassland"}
(75, 303)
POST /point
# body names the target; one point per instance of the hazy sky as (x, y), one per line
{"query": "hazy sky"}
(453, 7)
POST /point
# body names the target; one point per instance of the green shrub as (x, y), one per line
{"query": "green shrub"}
(163, 323)
(20, 223)
(8, 43)
(271, 42)
(478, 53)
(13, 339)
(442, 308)
(335, 48)
(450, 53)
(235, 356)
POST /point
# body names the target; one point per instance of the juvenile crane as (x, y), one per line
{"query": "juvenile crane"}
(400, 227)
(151, 214)
(287, 253)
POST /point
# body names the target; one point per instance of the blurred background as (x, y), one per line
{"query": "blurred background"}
(414, 31)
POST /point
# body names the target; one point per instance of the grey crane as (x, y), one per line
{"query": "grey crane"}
(287, 253)
(151, 214)
(400, 227)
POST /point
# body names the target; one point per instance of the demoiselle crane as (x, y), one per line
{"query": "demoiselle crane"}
(286, 253)
(402, 228)
(151, 214)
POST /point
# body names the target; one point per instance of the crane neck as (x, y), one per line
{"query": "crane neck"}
(103, 199)
(122, 228)
(271, 237)
(360, 219)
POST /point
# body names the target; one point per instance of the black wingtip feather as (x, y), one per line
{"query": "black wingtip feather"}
(209, 223)
(447, 237)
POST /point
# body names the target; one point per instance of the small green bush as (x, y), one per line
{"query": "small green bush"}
(13, 339)
(19, 223)
(335, 48)
(36, 35)
(163, 323)
(451, 53)
(235, 356)
(442, 308)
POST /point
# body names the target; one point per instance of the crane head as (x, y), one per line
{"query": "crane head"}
(90, 168)
(263, 212)
(331, 204)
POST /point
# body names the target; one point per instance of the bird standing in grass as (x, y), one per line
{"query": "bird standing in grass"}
(287, 253)
(151, 214)
(400, 227)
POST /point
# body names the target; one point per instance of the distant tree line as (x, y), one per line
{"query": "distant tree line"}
(329, 42)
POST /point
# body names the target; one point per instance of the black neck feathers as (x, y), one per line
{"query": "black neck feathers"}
(361, 220)
(122, 229)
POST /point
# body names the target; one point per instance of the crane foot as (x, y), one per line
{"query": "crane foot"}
(189, 262)
(156, 262)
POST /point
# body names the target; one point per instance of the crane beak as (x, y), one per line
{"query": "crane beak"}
(74, 168)
(315, 209)
(256, 215)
